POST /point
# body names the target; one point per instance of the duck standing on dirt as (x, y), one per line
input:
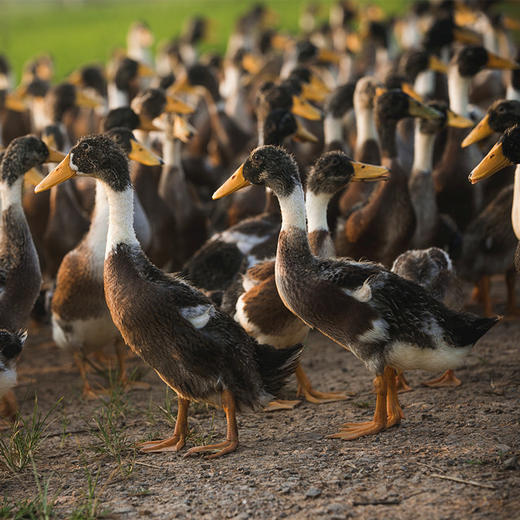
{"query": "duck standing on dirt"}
(11, 344)
(386, 321)
(197, 350)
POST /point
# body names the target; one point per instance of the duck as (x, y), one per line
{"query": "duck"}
(80, 318)
(433, 269)
(504, 153)
(383, 226)
(11, 345)
(253, 300)
(389, 323)
(197, 350)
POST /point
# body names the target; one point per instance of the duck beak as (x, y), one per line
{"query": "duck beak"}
(54, 156)
(84, 100)
(60, 174)
(251, 63)
(437, 65)
(303, 135)
(14, 103)
(418, 109)
(380, 91)
(183, 130)
(146, 125)
(315, 90)
(408, 89)
(353, 43)
(234, 183)
(497, 62)
(458, 121)
(75, 78)
(33, 177)
(174, 104)
(182, 85)
(280, 41)
(466, 36)
(304, 109)
(369, 172)
(143, 155)
(481, 131)
(493, 162)
(144, 71)
(328, 56)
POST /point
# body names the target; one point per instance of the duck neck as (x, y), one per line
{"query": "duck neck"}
(172, 149)
(320, 241)
(386, 129)
(423, 150)
(515, 214)
(97, 234)
(458, 91)
(11, 195)
(121, 219)
(365, 126)
(293, 209)
(117, 98)
(513, 93)
(332, 129)
(424, 83)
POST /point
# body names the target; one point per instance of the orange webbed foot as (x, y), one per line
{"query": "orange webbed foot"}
(448, 379)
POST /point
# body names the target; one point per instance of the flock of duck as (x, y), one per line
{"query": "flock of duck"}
(367, 251)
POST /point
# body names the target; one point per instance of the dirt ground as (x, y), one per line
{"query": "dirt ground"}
(285, 466)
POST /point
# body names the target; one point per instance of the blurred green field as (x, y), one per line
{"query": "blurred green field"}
(77, 32)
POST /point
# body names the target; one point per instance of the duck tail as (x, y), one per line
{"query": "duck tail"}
(478, 327)
(275, 366)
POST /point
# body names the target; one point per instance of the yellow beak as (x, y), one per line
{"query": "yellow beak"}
(75, 78)
(146, 125)
(328, 56)
(304, 109)
(353, 43)
(315, 90)
(437, 65)
(183, 130)
(458, 121)
(174, 104)
(481, 131)
(280, 42)
(182, 85)
(84, 100)
(144, 71)
(251, 63)
(33, 177)
(418, 109)
(234, 183)
(14, 103)
(408, 89)
(493, 162)
(497, 62)
(369, 172)
(303, 135)
(54, 156)
(466, 36)
(60, 174)
(143, 155)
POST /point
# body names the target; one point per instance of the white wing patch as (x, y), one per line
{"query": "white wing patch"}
(198, 316)
(378, 332)
(244, 241)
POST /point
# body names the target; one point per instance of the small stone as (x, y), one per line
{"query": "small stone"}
(313, 492)
(242, 516)
(510, 463)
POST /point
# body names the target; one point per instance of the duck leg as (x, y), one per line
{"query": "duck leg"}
(314, 396)
(447, 379)
(123, 377)
(351, 431)
(394, 412)
(178, 440)
(88, 391)
(231, 442)
(281, 404)
(485, 295)
(512, 309)
(402, 383)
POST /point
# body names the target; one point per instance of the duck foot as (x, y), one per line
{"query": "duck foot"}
(128, 385)
(446, 380)
(221, 448)
(402, 384)
(281, 404)
(314, 396)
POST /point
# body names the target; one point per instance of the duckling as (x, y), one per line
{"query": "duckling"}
(382, 228)
(81, 320)
(432, 269)
(197, 350)
(254, 300)
(386, 321)
(11, 345)
(504, 153)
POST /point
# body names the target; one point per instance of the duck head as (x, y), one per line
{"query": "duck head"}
(132, 147)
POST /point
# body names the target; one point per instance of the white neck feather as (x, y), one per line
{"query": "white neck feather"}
(39, 116)
(365, 125)
(458, 90)
(11, 195)
(121, 219)
(423, 150)
(424, 83)
(333, 129)
(116, 98)
(515, 213)
(512, 93)
(172, 151)
(97, 233)
(316, 208)
(293, 209)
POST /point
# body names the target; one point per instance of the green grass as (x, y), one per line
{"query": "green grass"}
(77, 32)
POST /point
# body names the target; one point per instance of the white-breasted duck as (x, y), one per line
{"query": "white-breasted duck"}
(386, 321)
(200, 352)
(253, 300)
(382, 227)
(81, 321)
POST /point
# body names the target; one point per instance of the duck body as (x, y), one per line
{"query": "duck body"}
(11, 345)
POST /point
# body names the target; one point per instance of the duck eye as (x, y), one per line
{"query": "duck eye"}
(85, 146)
